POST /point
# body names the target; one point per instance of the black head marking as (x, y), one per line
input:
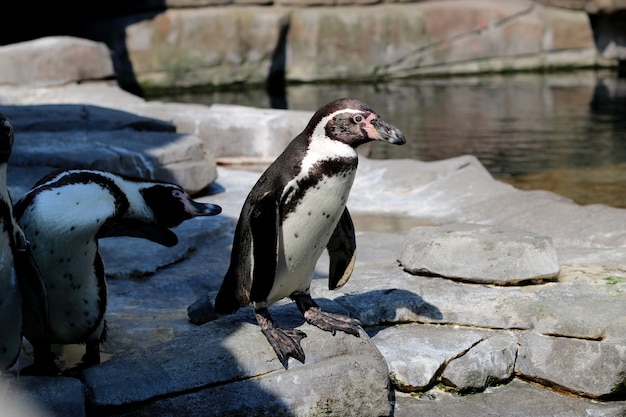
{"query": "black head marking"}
(167, 207)
(359, 124)
(171, 205)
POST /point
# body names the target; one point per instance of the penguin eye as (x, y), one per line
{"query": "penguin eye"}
(358, 118)
(177, 193)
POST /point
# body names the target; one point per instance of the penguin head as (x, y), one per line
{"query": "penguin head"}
(354, 123)
(6, 138)
(171, 205)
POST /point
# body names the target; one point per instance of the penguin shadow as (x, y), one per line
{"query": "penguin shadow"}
(373, 309)
(378, 308)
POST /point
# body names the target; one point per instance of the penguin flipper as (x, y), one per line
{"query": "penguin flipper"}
(253, 258)
(34, 306)
(264, 225)
(11, 328)
(342, 251)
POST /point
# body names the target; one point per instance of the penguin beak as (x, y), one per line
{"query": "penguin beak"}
(378, 129)
(194, 208)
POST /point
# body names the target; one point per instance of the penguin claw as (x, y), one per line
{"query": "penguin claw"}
(330, 322)
(285, 342)
(48, 368)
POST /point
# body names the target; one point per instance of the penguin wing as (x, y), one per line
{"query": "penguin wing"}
(342, 251)
(34, 298)
(254, 256)
(264, 225)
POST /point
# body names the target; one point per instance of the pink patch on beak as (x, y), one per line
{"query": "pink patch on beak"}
(372, 133)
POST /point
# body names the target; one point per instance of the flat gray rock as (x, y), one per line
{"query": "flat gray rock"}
(480, 253)
(127, 257)
(416, 354)
(226, 367)
(87, 136)
(491, 361)
(515, 399)
(582, 305)
(592, 368)
(31, 396)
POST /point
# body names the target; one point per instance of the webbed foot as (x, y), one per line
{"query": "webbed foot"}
(330, 322)
(286, 342)
(44, 365)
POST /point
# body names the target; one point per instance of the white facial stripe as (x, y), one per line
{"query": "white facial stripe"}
(320, 129)
(322, 148)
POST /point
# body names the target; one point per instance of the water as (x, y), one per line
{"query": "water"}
(562, 132)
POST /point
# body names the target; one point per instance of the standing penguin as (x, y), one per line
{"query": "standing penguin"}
(63, 217)
(22, 294)
(295, 210)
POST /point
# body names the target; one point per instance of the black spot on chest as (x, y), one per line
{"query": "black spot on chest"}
(341, 167)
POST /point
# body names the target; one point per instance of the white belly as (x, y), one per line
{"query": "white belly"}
(305, 233)
(72, 287)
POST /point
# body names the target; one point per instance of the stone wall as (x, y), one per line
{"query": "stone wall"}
(163, 44)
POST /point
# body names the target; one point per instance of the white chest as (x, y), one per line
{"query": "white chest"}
(306, 231)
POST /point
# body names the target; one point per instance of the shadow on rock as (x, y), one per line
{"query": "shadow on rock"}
(391, 305)
(189, 375)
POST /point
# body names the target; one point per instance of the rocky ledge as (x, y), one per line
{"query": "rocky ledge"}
(476, 298)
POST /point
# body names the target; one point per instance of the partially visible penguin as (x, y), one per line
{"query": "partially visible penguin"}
(295, 211)
(22, 294)
(65, 214)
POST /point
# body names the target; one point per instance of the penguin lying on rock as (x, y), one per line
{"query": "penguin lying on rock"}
(63, 217)
(296, 209)
(22, 294)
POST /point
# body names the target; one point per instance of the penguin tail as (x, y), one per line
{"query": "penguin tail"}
(226, 302)
(231, 296)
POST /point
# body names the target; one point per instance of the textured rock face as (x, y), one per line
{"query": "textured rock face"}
(245, 44)
(591, 6)
(187, 43)
(435, 38)
(208, 46)
(37, 63)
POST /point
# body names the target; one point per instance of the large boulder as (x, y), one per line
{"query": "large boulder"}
(36, 63)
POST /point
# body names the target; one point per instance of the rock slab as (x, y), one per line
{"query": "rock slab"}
(225, 368)
(480, 254)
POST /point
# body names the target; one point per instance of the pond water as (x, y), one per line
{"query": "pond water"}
(562, 132)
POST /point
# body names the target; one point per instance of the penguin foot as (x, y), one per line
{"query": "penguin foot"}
(89, 359)
(48, 368)
(330, 322)
(92, 354)
(286, 342)
(44, 362)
